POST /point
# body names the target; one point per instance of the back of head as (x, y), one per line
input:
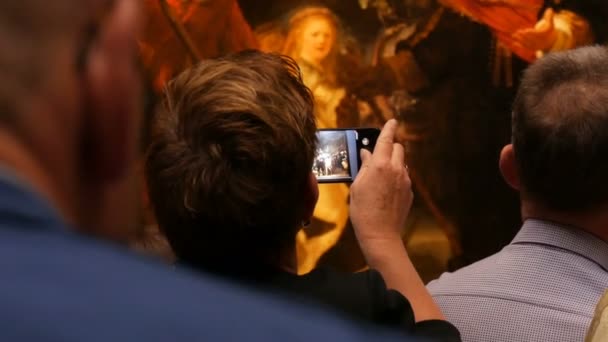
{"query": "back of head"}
(32, 35)
(69, 105)
(230, 159)
(560, 130)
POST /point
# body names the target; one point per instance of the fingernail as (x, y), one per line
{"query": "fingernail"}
(390, 122)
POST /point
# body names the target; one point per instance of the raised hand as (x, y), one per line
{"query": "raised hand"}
(541, 37)
(381, 195)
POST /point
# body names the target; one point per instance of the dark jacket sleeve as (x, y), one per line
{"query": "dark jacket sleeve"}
(391, 308)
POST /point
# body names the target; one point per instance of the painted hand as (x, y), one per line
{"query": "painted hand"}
(541, 37)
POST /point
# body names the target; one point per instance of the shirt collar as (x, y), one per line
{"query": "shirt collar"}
(21, 205)
(565, 237)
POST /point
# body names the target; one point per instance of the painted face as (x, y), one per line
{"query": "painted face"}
(318, 37)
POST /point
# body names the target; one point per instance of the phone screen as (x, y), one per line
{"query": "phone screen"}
(336, 156)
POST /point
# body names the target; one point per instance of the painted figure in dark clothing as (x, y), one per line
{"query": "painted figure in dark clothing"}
(459, 67)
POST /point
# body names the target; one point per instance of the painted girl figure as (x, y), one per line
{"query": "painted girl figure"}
(312, 40)
(312, 37)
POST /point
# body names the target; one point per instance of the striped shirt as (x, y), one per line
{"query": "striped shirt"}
(544, 286)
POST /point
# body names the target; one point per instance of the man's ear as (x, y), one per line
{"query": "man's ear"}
(113, 89)
(508, 167)
(311, 196)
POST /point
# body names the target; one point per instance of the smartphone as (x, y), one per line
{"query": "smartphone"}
(337, 159)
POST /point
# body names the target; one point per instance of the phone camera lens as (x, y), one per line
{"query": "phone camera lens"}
(365, 141)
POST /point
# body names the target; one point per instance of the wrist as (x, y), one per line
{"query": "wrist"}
(377, 241)
(379, 251)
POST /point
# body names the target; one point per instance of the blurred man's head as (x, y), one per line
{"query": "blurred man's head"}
(559, 156)
(229, 168)
(69, 100)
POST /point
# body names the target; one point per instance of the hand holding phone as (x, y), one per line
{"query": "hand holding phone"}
(337, 159)
(381, 196)
(380, 200)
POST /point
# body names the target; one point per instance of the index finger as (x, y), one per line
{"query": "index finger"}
(384, 144)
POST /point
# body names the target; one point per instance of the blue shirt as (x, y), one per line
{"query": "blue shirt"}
(58, 285)
(542, 287)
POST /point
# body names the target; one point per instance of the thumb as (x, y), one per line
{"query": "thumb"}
(365, 156)
(548, 18)
(548, 15)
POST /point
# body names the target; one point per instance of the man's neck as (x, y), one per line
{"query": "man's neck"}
(593, 221)
(15, 155)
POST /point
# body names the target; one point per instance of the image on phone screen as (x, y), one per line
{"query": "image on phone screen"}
(333, 156)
